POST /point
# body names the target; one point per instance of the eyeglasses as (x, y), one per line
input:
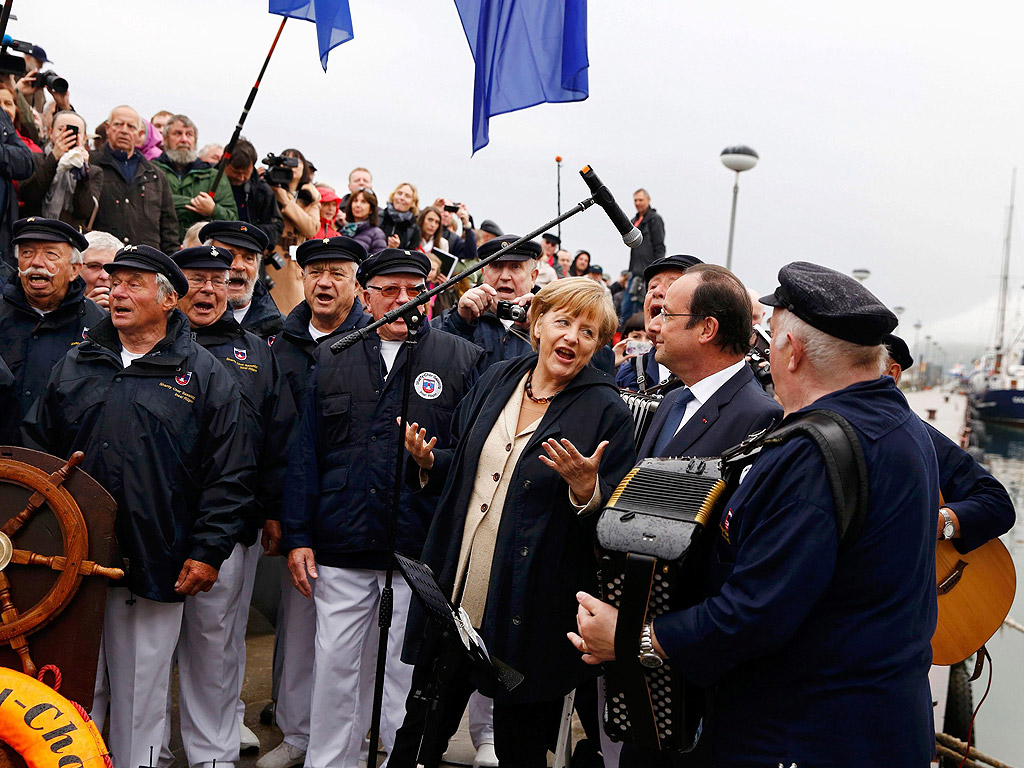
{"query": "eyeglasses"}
(663, 315)
(392, 291)
(200, 282)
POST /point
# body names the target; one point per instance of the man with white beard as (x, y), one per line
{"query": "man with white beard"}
(191, 179)
(248, 297)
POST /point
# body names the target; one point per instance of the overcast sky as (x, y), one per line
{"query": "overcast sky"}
(887, 131)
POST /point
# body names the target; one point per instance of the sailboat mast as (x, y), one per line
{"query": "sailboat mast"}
(1004, 279)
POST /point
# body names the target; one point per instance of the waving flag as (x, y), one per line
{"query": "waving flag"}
(332, 18)
(527, 52)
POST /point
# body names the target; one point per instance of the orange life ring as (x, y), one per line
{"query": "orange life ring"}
(47, 730)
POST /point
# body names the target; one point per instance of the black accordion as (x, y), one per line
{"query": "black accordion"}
(653, 550)
(642, 406)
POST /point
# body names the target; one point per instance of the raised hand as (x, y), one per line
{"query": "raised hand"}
(579, 471)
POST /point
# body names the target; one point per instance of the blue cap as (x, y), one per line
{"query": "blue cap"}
(149, 259)
(678, 261)
(393, 261)
(202, 257)
(49, 230)
(330, 248)
(528, 250)
(239, 233)
(37, 53)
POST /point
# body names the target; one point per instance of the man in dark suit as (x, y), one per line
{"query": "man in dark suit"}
(702, 335)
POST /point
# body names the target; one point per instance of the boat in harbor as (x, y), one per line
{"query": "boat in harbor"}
(996, 388)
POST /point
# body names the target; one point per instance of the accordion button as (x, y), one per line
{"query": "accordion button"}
(495, 477)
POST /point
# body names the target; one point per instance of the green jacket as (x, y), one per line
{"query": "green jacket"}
(198, 178)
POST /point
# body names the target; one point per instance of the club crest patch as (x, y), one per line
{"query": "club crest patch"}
(239, 354)
(271, 340)
(726, 522)
(84, 331)
(428, 385)
(183, 380)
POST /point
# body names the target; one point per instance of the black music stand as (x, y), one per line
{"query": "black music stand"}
(460, 643)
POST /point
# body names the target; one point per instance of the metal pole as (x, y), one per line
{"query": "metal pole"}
(4, 18)
(732, 220)
(558, 161)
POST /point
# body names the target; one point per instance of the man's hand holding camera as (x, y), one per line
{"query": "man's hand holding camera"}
(483, 298)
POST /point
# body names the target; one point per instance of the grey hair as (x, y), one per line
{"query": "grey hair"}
(76, 255)
(141, 122)
(184, 120)
(826, 353)
(165, 289)
(103, 241)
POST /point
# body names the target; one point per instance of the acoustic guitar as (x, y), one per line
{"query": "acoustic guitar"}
(975, 593)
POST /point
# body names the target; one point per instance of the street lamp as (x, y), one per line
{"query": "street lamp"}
(862, 274)
(737, 159)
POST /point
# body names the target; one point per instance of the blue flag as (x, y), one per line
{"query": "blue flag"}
(527, 52)
(332, 18)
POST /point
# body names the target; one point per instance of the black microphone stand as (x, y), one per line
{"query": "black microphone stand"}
(414, 317)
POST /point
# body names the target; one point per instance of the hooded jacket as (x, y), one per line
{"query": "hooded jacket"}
(16, 163)
(162, 437)
(32, 343)
(263, 319)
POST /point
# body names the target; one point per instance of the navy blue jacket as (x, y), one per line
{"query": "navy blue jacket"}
(31, 344)
(269, 411)
(625, 377)
(544, 553)
(739, 408)
(341, 473)
(161, 436)
(16, 163)
(294, 346)
(263, 319)
(981, 503)
(818, 656)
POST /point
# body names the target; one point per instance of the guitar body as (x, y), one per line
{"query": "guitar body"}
(975, 592)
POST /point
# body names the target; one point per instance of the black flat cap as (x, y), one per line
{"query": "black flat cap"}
(491, 228)
(393, 261)
(238, 233)
(832, 302)
(595, 269)
(677, 261)
(552, 238)
(528, 250)
(202, 257)
(149, 259)
(330, 248)
(898, 350)
(49, 230)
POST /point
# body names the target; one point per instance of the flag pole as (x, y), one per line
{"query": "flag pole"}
(558, 192)
(245, 112)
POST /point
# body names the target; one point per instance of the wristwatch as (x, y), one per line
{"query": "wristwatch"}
(948, 529)
(648, 656)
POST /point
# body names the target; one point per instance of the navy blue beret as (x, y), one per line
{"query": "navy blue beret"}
(202, 257)
(326, 248)
(238, 233)
(528, 250)
(392, 261)
(149, 259)
(49, 230)
(677, 261)
(832, 302)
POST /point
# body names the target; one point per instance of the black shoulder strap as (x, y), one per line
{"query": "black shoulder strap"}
(641, 375)
(844, 462)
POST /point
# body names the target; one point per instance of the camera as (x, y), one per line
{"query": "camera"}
(279, 169)
(275, 260)
(453, 208)
(508, 310)
(637, 347)
(758, 355)
(53, 81)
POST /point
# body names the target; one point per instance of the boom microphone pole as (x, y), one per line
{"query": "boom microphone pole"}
(245, 112)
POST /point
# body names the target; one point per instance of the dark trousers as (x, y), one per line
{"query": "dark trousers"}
(523, 733)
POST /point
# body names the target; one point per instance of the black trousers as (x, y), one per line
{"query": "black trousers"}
(523, 733)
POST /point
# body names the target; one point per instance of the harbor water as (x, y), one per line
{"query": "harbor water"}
(998, 726)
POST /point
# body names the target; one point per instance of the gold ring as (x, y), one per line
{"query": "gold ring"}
(583, 647)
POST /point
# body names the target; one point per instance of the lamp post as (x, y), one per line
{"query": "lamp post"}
(736, 159)
(924, 360)
(917, 347)
(898, 311)
(862, 274)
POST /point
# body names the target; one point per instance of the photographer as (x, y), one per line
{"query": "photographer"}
(253, 196)
(463, 248)
(299, 201)
(59, 187)
(30, 90)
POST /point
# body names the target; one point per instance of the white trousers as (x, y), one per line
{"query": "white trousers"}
(296, 636)
(481, 719)
(208, 668)
(251, 557)
(347, 604)
(136, 652)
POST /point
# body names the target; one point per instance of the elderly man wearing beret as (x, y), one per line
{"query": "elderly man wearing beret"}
(156, 415)
(43, 314)
(338, 494)
(817, 645)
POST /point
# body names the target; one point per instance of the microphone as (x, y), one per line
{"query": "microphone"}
(631, 236)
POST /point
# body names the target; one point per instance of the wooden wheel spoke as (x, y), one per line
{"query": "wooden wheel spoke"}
(10, 615)
(59, 563)
(37, 499)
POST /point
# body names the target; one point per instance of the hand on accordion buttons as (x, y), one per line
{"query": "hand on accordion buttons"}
(596, 623)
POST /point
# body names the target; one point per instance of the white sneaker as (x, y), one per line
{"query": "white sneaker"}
(284, 755)
(485, 756)
(249, 741)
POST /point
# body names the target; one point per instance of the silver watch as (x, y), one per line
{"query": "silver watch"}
(948, 529)
(648, 656)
